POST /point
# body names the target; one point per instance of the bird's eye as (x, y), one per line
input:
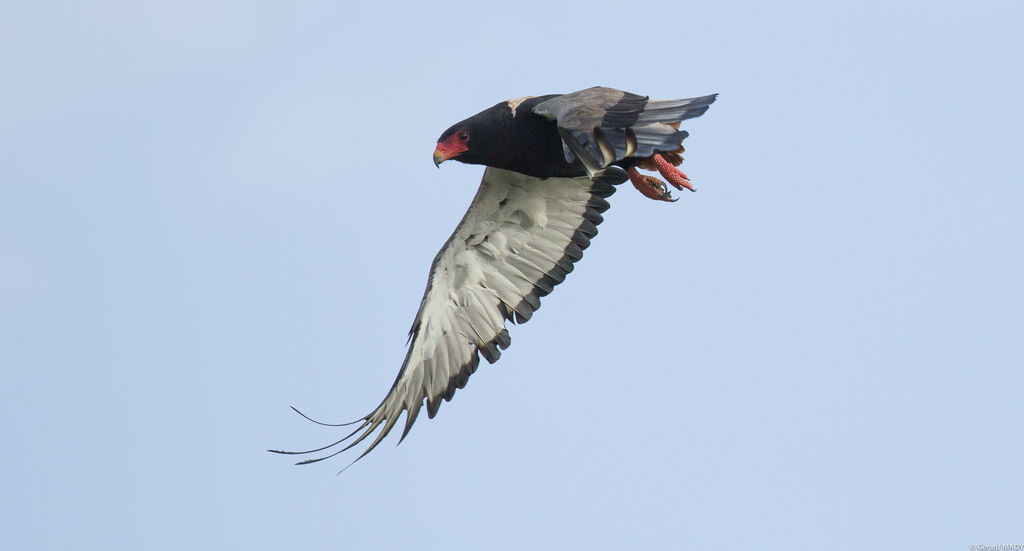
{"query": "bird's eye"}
(463, 136)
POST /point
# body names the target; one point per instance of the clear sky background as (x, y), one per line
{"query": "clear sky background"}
(210, 211)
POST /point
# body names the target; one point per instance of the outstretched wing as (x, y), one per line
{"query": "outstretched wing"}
(519, 238)
(601, 126)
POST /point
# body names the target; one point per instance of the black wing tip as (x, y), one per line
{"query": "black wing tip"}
(433, 404)
(587, 228)
(608, 177)
(310, 419)
(573, 251)
(365, 421)
(523, 313)
(581, 239)
(598, 204)
(490, 352)
(604, 188)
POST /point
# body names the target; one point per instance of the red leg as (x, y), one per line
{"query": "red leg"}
(650, 186)
(672, 174)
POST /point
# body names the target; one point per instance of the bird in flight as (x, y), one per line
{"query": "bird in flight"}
(551, 162)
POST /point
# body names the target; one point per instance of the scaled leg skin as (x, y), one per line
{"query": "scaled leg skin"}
(650, 186)
(671, 173)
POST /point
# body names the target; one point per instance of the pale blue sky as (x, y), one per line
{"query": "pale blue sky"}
(212, 211)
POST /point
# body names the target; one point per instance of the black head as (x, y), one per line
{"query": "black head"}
(509, 136)
(478, 140)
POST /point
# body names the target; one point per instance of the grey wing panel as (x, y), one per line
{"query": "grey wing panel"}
(579, 113)
(611, 125)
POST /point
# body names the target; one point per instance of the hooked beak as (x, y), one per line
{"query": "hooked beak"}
(439, 157)
(448, 149)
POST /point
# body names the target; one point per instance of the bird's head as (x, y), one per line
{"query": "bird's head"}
(452, 144)
(476, 140)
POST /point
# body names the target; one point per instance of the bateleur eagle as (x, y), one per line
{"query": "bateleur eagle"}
(551, 161)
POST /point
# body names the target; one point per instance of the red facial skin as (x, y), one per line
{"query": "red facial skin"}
(451, 147)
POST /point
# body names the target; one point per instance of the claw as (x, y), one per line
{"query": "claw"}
(650, 186)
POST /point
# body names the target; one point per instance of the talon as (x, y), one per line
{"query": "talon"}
(650, 186)
(671, 173)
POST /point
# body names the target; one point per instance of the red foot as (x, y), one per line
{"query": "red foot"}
(672, 174)
(650, 186)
